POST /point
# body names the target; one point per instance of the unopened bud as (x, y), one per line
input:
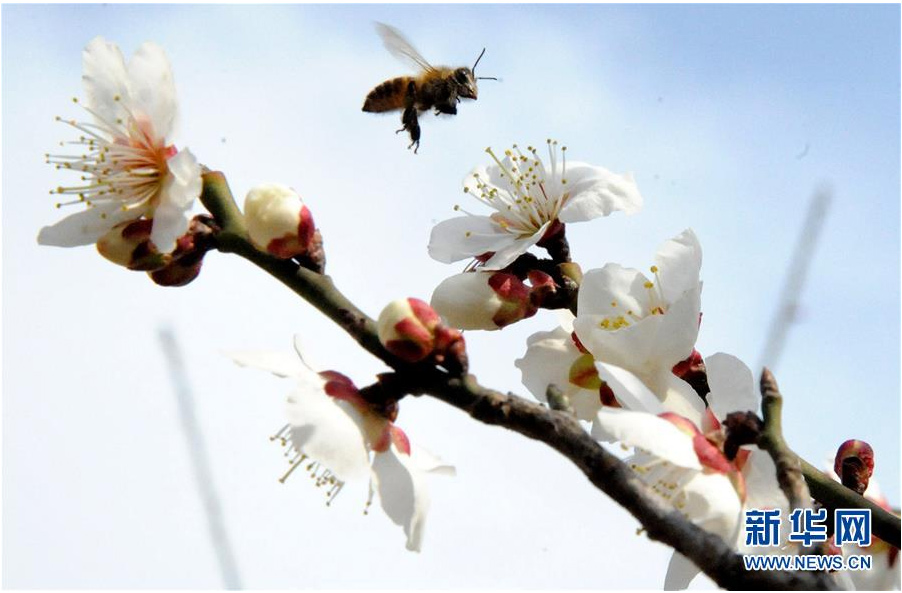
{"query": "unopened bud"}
(854, 464)
(407, 329)
(178, 272)
(482, 300)
(277, 220)
(128, 244)
(185, 262)
(693, 371)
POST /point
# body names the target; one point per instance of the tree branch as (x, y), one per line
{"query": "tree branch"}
(557, 429)
(789, 472)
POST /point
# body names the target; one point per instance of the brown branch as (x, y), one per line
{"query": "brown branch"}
(557, 429)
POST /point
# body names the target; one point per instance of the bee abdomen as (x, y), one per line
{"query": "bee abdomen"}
(387, 96)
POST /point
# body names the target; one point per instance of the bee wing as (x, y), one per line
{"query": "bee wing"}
(399, 47)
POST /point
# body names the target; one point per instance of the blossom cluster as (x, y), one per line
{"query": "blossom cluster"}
(622, 357)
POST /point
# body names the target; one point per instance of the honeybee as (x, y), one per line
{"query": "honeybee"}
(435, 87)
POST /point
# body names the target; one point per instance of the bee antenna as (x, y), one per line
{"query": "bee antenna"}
(473, 69)
(486, 78)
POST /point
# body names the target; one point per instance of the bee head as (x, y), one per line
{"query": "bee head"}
(466, 83)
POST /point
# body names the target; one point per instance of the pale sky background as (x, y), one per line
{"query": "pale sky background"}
(709, 106)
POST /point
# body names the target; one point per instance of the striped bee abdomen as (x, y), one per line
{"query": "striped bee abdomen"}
(387, 96)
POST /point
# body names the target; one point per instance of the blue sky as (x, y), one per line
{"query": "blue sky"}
(710, 108)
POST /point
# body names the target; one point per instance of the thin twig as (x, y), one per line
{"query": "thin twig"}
(789, 472)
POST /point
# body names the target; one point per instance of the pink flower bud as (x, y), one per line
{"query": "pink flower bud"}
(407, 329)
(854, 448)
(277, 220)
(128, 244)
(482, 300)
(854, 464)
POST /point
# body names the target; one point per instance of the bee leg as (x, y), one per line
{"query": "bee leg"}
(409, 119)
(449, 108)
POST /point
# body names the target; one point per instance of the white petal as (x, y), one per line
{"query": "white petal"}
(105, 79)
(565, 318)
(657, 436)
(679, 262)
(713, 504)
(596, 192)
(548, 358)
(630, 390)
(280, 364)
(87, 226)
(328, 432)
(680, 398)
(403, 493)
(430, 463)
(680, 573)
(762, 489)
(152, 88)
(466, 236)
(172, 215)
(624, 287)
(514, 249)
(732, 386)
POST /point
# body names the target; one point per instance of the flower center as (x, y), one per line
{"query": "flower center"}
(654, 304)
(532, 193)
(320, 474)
(122, 161)
(665, 479)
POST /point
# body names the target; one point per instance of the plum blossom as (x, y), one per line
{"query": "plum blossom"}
(129, 170)
(642, 327)
(683, 461)
(558, 358)
(335, 435)
(528, 196)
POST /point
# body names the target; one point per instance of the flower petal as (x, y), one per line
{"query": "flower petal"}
(86, 227)
(428, 462)
(595, 192)
(466, 236)
(327, 431)
(679, 397)
(152, 87)
(679, 262)
(280, 364)
(648, 432)
(732, 386)
(172, 215)
(508, 253)
(762, 489)
(629, 389)
(403, 493)
(713, 504)
(105, 80)
(680, 572)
